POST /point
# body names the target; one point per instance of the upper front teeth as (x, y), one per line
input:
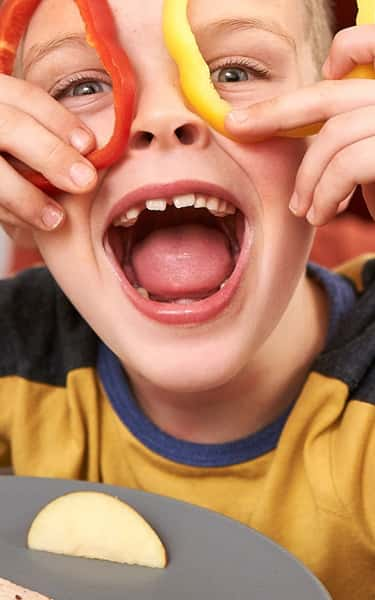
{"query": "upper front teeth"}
(184, 201)
(156, 205)
(219, 208)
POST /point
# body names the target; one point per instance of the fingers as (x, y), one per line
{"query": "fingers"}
(350, 48)
(59, 163)
(41, 133)
(337, 176)
(340, 132)
(317, 103)
(38, 104)
(305, 106)
(340, 157)
(22, 204)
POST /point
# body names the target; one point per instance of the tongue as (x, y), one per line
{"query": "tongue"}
(184, 261)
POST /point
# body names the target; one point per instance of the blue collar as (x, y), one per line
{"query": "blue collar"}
(341, 295)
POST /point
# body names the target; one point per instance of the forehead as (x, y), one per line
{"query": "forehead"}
(55, 17)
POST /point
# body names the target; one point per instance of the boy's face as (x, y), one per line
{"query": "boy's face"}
(255, 50)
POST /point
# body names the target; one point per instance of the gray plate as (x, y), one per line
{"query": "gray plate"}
(210, 557)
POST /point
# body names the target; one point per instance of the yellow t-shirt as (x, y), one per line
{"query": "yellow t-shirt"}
(307, 481)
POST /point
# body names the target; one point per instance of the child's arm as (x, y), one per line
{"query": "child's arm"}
(342, 155)
(40, 132)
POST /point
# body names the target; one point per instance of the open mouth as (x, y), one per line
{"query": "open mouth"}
(179, 258)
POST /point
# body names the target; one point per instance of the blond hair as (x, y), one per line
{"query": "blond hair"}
(320, 26)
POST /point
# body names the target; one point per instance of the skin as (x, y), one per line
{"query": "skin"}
(229, 377)
(339, 158)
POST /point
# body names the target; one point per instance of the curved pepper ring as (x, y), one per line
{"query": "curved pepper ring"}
(365, 16)
(101, 33)
(195, 77)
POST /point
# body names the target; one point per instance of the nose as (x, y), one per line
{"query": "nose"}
(164, 121)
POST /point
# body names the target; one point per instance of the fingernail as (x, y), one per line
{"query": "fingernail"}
(294, 204)
(51, 216)
(311, 216)
(238, 116)
(80, 139)
(82, 174)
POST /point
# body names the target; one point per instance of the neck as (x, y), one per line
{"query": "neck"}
(260, 393)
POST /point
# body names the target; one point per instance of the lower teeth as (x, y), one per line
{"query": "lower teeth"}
(145, 294)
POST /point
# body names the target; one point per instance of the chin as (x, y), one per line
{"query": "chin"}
(188, 380)
(194, 364)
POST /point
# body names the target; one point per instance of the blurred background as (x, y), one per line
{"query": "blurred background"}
(349, 235)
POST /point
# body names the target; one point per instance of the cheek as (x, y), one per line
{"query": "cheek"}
(68, 252)
(283, 241)
(271, 165)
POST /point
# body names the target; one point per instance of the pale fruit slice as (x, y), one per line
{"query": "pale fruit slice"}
(10, 591)
(96, 525)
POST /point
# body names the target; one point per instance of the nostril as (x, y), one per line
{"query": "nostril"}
(142, 140)
(187, 134)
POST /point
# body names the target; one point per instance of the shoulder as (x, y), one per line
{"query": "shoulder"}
(41, 333)
(350, 357)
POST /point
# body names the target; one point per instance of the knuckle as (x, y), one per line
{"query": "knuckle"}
(32, 94)
(26, 212)
(339, 38)
(57, 153)
(25, 90)
(329, 128)
(9, 204)
(326, 99)
(9, 118)
(343, 39)
(63, 120)
(8, 221)
(339, 164)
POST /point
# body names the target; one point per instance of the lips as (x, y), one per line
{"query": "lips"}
(205, 224)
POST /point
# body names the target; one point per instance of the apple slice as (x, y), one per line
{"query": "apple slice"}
(96, 525)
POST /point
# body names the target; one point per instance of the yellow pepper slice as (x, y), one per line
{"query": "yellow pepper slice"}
(195, 76)
(366, 12)
(366, 16)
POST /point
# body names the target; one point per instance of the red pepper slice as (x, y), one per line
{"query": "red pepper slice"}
(101, 33)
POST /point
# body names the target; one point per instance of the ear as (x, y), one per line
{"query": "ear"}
(23, 238)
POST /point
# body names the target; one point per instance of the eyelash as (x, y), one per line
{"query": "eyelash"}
(259, 71)
(79, 78)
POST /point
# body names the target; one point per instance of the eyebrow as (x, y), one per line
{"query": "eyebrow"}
(244, 24)
(39, 51)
